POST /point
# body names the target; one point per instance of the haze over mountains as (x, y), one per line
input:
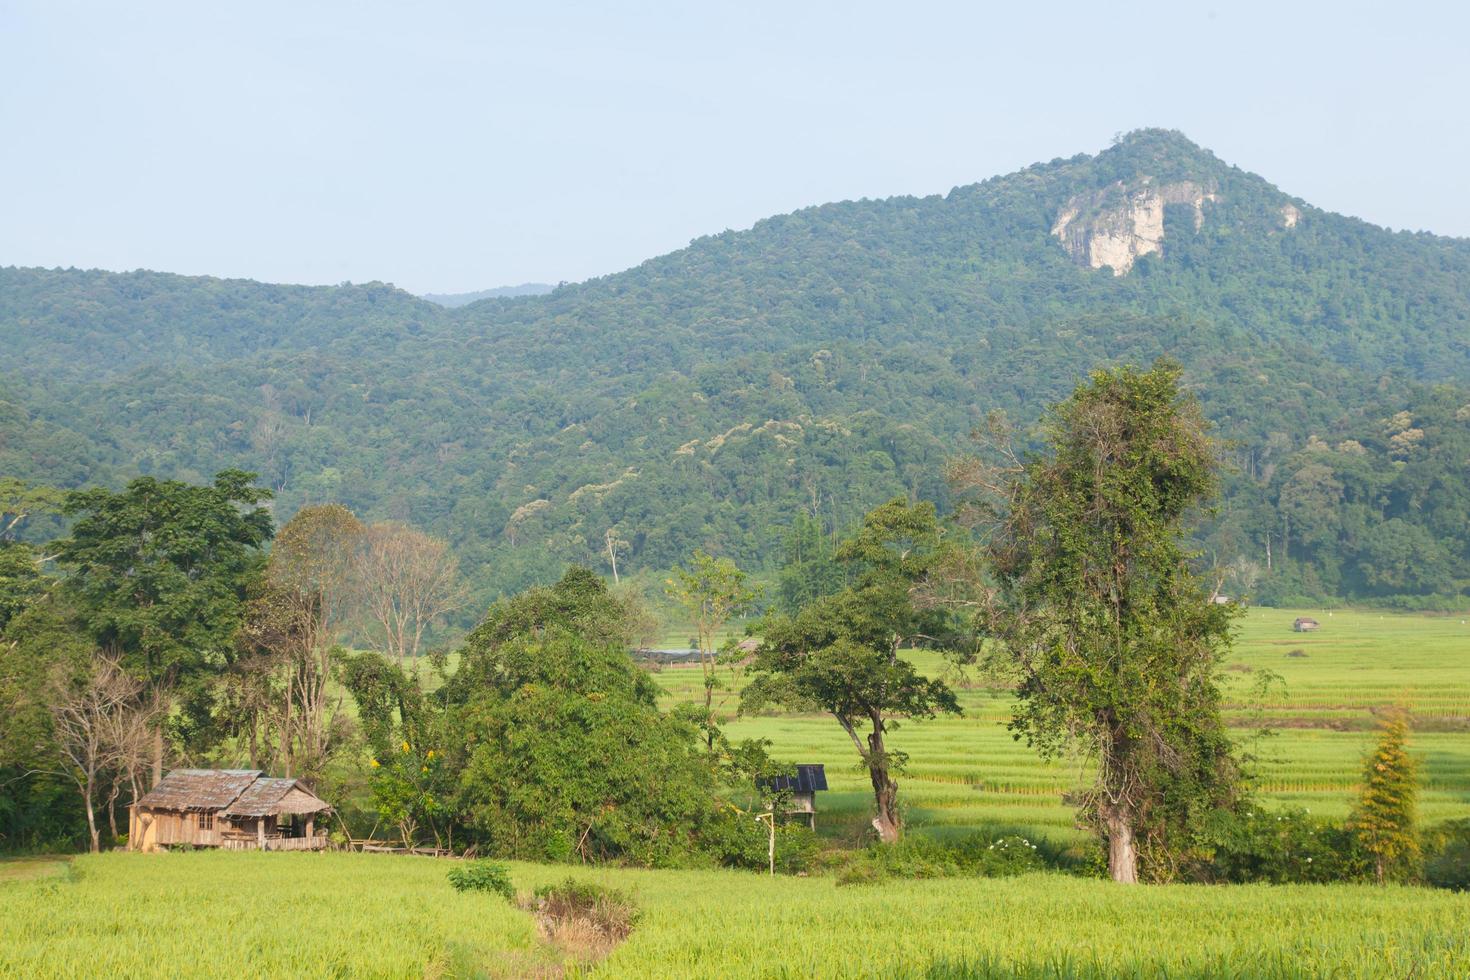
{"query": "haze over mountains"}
(821, 361)
(465, 299)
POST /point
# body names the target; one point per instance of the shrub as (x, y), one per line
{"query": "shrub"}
(483, 876)
(977, 854)
(1283, 846)
(1447, 855)
(582, 905)
(737, 840)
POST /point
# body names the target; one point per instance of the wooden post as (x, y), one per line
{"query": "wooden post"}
(260, 831)
(769, 819)
(310, 824)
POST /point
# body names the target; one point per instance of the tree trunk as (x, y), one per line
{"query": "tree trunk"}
(112, 809)
(89, 789)
(885, 790)
(1122, 851)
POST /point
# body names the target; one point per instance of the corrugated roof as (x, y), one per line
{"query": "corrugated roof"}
(199, 789)
(808, 779)
(267, 797)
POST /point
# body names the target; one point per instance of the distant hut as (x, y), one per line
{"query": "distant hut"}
(236, 809)
(747, 649)
(803, 788)
(1305, 624)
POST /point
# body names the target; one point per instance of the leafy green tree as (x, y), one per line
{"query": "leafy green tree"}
(20, 500)
(21, 580)
(808, 568)
(560, 746)
(1096, 608)
(1387, 803)
(712, 591)
(159, 573)
(840, 653)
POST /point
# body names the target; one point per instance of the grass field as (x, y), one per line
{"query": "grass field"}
(248, 914)
(968, 772)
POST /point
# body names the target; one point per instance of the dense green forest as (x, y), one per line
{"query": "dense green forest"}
(819, 363)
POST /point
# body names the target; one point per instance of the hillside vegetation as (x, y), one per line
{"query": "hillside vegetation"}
(822, 361)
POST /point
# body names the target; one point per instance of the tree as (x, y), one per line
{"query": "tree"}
(713, 591)
(1385, 815)
(840, 653)
(1095, 607)
(159, 573)
(313, 576)
(614, 544)
(21, 580)
(20, 500)
(88, 713)
(407, 580)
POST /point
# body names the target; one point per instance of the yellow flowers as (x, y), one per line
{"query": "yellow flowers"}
(405, 746)
(430, 755)
(374, 763)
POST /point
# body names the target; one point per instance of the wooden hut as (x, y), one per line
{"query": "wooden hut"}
(236, 809)
(803, 787)
(1305, 624)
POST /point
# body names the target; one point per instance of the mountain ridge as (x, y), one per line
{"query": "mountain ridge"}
(820, 360)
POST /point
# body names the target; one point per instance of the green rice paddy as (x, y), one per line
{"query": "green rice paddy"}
(359, 915)
(968, 772)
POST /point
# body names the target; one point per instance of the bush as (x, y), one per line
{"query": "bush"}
(483, 876)
(611, 912)
(1281, 847)
(978, 855)
(1447, 855)
(738, 840)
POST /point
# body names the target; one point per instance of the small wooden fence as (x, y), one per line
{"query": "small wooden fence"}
(315, 843)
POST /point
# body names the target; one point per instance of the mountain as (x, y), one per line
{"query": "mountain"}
(820, 361)
(455, 300)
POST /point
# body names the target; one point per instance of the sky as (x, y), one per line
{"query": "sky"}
(450, 147)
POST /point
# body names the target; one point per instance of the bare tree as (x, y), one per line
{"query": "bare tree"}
(88, 713)
(614, 544)
(407, 581)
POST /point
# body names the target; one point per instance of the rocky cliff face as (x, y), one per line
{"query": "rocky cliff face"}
(1115, 226)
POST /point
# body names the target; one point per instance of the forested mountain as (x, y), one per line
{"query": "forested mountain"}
(821, 361)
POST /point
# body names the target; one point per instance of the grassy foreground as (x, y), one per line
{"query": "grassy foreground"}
(215, 914)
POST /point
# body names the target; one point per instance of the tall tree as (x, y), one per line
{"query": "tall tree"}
(840, 653)
(1097, 609)
(159, 573)
(310, 603)
(407, 580)
(1384, 818)
(712, 590)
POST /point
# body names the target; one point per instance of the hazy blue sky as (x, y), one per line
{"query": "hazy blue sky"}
(454, 146)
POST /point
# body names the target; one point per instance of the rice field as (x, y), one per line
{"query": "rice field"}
(968, 772)
(352, 915)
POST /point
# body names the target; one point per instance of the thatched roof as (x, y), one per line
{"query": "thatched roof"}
(199, 789)
(268, 797)
(236, 792)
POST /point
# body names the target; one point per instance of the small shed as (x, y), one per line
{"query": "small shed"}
(1305, 624)
(236, 809)
(803, 787)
